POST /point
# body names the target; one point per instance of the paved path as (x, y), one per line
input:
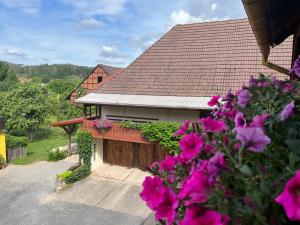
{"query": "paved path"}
(27, 197)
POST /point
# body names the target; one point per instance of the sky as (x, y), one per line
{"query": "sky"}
(90, 32)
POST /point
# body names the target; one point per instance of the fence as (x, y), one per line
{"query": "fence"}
(15, 153)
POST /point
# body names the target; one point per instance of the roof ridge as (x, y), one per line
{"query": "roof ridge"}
(214, 21)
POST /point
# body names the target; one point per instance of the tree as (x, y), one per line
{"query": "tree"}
(25, 107)
(8, 78)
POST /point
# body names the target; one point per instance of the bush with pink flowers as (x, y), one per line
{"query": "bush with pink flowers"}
(102, 124)
(241, 165)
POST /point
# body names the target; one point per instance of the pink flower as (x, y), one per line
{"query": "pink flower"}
(183, 128)
(199, 216)
(252, 82)
(167, 208)
(290, 198)
(287, 87)
(239, 120)
(191, 145)
(263, 84)
(216, 164)
(259, 120)
(244, 97)
(212, 125)
(195, 189)
(168, 164)
(209, 148)
(287, 111)
(153, 192)
(237, 146)
(252, 138)
(213, 101)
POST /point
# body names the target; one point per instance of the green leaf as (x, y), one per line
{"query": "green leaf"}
(293, 145)
(246, 170)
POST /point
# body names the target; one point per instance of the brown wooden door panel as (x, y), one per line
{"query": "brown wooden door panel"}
(131, 154)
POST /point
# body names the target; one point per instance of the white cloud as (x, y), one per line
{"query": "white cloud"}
(15, 52)
(97, 7)
(183, 17)
(108, 51)
(89, 23)
(29, 6)
(214, 6)
(111, 55)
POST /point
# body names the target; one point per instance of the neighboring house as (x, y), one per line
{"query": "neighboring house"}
(173, 81)
(99, 75)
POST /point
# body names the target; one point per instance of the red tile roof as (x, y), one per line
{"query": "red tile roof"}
(201, 59)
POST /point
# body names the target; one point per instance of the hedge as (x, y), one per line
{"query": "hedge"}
(14, 141)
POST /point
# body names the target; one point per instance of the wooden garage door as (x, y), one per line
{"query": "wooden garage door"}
(131, 154)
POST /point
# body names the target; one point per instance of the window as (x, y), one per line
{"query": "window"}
(92, 112)
(99, 79)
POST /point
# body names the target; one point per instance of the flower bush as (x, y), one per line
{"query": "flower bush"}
(102, 124)
(241, 165)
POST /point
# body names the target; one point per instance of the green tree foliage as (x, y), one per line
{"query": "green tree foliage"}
(58, 90)
(8, 78)
(24, 107)
(49, 72)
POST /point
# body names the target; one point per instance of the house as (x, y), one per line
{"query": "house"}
(173, 81)
(99, 75)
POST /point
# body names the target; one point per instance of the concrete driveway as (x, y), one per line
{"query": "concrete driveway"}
(27, 197)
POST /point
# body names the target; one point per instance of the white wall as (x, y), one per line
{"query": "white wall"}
(97, 157)
(148, 114)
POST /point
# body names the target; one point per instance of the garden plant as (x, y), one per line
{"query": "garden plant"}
(240, 165)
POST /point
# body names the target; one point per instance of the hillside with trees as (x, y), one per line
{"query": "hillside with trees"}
(48, 72)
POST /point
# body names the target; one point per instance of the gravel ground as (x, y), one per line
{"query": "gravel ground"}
(27, 197)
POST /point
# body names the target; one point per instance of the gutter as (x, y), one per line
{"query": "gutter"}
(256, 13)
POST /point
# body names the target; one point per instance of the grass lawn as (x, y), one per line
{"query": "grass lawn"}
(38, 150)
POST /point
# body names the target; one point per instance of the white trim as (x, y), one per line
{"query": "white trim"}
(169, 102)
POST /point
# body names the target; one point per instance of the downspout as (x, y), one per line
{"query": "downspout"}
(255, 10)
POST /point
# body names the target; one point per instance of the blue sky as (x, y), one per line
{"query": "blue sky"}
(89, 32)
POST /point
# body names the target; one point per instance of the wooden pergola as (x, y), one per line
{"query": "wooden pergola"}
(69, 127)
(272, 21)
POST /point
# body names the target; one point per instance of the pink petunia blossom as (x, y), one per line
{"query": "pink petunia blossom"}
(191, 145)
(195, 189)
(239, 120)
(252, 138)
(153, 192)
(290, 198)
(196, 215)
(212, 125)
(296, 67)
(244, 97)
(213, 101)
(259, 120)
(287, 111)
(168, 163)
(287, 87)
(252, 82)
(216, 164)
(167, 208)
(182, 130)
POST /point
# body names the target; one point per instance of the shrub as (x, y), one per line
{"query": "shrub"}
(85, 144)
(64, 175)
(78, 174)
(57, 155)
(14, 141)
(2, 160)
(161, 132)
(241, 165)
(131, 125)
